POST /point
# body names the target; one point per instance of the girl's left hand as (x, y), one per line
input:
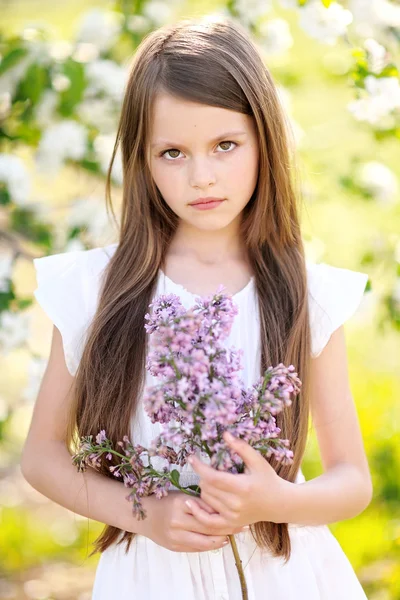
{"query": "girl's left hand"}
(243, 498)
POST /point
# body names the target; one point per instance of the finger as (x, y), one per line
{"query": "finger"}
(204, 505)
(204, 543)
(216, 502)
(252, 458)
(221, 503)
(211, 521)
(197, 500)
(218, 479)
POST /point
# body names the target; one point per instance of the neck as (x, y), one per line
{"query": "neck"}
(208, 247)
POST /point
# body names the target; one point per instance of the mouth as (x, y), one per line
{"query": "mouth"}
(206, 203)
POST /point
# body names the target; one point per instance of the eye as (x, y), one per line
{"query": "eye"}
(227, 142)
(165, 153)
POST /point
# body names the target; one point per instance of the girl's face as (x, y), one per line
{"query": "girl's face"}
(199, 151)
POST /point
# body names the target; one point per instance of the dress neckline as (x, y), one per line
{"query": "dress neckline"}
(182, 288)
(245, 289)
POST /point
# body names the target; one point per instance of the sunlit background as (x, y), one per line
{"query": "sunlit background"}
(62, 73)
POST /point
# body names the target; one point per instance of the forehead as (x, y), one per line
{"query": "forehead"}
(177, 119)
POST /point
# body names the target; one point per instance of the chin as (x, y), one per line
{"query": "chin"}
(210, 224)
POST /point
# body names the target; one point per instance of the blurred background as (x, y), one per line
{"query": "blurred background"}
(63, 68)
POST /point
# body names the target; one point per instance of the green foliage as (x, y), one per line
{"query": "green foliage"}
(175, 477)
(343, 211)
(25, 221)
(70, 97)
(385, 461)
(12, 58)
(33, 84)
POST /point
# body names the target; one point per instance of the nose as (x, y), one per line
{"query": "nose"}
(201, 174)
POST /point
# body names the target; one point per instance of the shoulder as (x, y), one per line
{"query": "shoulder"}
(55, 265)
(67, 290)
(334, 294)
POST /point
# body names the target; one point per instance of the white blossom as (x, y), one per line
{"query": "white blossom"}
(323, 23)
(60, 82)
(104, 145)
(46, 107)
(99, 27)
(74, 245)
(373, 16)
(289, 3)
(14, 330)
(6, 262)
(383, 97)
(105, 76)
(138, 24)
(5, 105)
(15, 177)
(61, 141)
(377, 55)
(90, 213)
(276, 36)
(99, 112)
(37, 53)
(11, 78)
(378, 180)
(157, 12)
(60, 50)
(85, 52)
(250, 11)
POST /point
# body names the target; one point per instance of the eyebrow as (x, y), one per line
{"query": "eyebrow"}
(219, 137)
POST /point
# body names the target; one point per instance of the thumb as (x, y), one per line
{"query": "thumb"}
(251, 457)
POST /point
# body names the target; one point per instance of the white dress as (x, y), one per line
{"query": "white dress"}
(318, 568)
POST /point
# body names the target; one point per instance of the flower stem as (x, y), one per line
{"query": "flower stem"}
(239, 567)
(238, 562)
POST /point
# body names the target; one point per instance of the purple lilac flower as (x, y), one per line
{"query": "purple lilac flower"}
(198, 396)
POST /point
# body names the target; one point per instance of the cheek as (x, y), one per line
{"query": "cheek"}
(244, 171)
(169, 180)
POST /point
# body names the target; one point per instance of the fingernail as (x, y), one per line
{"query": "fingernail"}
(225, 543)
(190, 460)
(229, 436)
(246, 528)
(188, 503)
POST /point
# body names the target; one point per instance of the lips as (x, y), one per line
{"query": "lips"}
(205, 200)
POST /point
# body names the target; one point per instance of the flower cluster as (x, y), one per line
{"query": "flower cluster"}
(198, 396)
(135, 468)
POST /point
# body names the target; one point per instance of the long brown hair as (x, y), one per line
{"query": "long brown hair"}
(214, 63)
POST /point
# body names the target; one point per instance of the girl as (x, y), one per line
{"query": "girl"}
(208, 198)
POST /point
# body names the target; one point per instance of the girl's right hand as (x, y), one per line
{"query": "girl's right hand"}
(170, 524)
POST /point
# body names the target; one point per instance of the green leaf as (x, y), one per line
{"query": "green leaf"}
(4, 195)
(33, 84)
(6, 298)
(195, 488)
(174, 475)
(12, 58)
(25, 222)
(23, 303)
(70, 97)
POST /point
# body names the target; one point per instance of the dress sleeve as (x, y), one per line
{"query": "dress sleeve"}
(334, 296)
(62, 293)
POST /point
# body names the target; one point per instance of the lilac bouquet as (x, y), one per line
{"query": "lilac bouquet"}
(199, 396)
